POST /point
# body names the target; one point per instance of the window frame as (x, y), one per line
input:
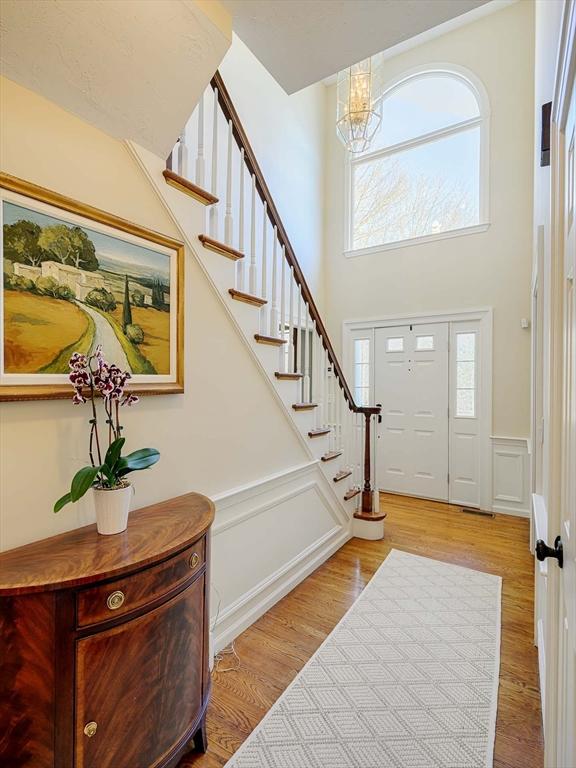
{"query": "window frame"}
(482, 121)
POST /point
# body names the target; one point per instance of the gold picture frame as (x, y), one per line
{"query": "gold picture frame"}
(69, 270)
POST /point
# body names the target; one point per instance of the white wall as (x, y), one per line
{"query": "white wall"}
(225, 431)
(479, 270)
(287, 135)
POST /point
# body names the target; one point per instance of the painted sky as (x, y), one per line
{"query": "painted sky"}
(114, 249)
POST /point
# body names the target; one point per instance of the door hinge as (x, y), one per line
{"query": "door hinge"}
(448, 478)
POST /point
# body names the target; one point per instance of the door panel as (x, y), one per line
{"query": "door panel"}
(141, 708)
(411, 382)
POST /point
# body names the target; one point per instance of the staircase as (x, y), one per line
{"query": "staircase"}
(247, 253)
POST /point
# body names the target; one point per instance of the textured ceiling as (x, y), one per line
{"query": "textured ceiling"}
(134, 69)
(303, 41)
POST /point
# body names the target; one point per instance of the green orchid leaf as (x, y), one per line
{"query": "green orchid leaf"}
(83, 479)
(141, 459)
(66, 499)
(113, 452)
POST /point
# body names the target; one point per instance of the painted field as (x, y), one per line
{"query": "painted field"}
(156, 327)
(39, 329)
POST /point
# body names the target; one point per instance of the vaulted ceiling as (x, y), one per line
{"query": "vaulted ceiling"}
(133, 68)
(303, 41)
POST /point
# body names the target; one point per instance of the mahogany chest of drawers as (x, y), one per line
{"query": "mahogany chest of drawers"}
(104, 643)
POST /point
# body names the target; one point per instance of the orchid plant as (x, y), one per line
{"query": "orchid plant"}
(91, 376)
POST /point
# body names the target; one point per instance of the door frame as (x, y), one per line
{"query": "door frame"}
(553, 328)
(482, 315)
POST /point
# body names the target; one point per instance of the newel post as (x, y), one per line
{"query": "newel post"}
(367, 490)
(367, 494)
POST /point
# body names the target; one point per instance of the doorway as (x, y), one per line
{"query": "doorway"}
(432, 376)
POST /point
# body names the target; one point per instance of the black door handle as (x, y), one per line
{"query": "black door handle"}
(543, 550)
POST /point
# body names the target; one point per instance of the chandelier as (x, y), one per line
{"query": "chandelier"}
(358, 105)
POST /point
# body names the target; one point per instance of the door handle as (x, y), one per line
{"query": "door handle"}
(379, 405)
(543, 551)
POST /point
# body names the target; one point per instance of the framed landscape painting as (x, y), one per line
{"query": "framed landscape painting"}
(75, 277)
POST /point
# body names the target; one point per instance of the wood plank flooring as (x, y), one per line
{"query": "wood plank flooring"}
(278, 645)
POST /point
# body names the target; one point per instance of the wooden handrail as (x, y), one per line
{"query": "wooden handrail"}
(262, 188)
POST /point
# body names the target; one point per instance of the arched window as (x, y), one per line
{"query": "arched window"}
(423, 174)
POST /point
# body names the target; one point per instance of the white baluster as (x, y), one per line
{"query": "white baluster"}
(359, 442)
(264, 291)
(324, 388)
(214, 179)
(317, 378)
(299, 334)
(291, 357)
(200, 170)
(274, 319)
(252, 275)
(228, 220)
(240, 262)
(284, 367)
(306, 353)
(183, 155)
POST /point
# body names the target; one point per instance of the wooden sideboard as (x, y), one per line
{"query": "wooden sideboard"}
(104, 643)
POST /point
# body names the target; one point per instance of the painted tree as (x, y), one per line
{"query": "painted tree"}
(157, 294)
(126, 310)
(21, 243)
(69, 245)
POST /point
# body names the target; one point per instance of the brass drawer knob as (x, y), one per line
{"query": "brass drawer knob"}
(90, 729)
(194, 560)
(115, 600)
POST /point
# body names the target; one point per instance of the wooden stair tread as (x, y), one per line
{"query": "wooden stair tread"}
(221, 248)
(331, 456)
(304, 406)
(342, 474)
(189, 188)
(272, 340)
(247, 298)
(319, 432)
(371, 518)
(288, 376)
(351, 493)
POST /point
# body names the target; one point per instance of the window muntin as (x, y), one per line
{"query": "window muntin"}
(362, 371)
(466, 375)
(424, 104)
(430, 186)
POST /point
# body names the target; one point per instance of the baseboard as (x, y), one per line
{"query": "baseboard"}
(504, 510)
(510, 476)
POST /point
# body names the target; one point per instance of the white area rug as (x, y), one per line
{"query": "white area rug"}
(407, 679)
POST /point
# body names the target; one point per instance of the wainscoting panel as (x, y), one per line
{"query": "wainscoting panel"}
(266, 538)
(511, 476)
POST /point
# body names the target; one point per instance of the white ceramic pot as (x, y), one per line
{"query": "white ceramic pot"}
(112, 508)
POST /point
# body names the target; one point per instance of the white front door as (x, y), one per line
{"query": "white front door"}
(411, 382)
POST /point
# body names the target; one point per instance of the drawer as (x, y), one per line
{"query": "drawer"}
(115, 598)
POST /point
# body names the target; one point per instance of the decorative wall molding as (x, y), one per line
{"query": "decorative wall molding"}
(253, 570)
(511, 476)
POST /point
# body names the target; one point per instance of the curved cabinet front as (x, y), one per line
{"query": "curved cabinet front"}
(140, 685)
(104, 643)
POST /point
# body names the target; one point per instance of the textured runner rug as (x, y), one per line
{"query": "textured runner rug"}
(407, 679)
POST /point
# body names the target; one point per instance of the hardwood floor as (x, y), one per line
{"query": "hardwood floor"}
(278, 645)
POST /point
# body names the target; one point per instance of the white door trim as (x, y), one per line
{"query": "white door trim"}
(555, 726)
(482, 315)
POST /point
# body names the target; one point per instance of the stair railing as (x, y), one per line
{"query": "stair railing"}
(270, 273)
